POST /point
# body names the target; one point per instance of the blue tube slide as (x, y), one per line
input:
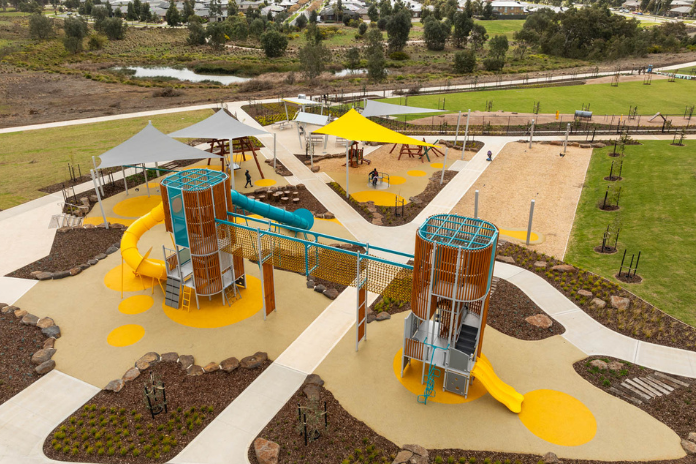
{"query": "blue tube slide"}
(301, 218)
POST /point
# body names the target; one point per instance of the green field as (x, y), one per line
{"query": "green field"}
(35, 159)
(663, 96)
(658, 211)
(502, 26)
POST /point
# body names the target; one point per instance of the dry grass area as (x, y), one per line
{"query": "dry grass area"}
(520, 174)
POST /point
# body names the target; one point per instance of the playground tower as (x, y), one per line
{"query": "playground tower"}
(192, 201)
(452, 272)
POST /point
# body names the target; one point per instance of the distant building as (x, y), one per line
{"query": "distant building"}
(510, 8)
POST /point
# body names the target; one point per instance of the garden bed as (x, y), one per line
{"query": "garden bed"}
(72, 248)
(640, 320)
(307, 200)
(117, 427)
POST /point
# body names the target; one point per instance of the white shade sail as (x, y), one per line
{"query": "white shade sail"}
(374, 108)
(150, 146)
(219, 126)
(302, 101)
(311, 118)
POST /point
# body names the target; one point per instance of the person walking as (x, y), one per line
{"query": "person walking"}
(490, 156)
(248, 179)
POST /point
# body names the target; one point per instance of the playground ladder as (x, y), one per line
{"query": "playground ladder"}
(187, 298)
(232, 294)
(64, 220)
(172, 294)
(433, 373)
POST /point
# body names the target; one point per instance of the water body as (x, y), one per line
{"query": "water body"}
(350, 72)
(182, 75)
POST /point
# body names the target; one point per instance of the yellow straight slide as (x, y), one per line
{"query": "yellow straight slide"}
(483, 371)
(129, 245)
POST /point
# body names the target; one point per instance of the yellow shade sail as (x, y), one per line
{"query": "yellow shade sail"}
(354, 126)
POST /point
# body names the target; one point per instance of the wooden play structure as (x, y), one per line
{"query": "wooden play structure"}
(419, 151)
(355, 156)
(241, 145)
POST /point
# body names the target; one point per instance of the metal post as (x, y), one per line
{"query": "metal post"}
(444, 166)
(274, 154)
(476, 197)
(531, 137)
(125, 182)
(466, 133)
(348, 144)
(96, 189)
(157, 166)
(287, 118)
(456, 133)
(147, 183)
(565, 144)
(529, 227)
(94, 163)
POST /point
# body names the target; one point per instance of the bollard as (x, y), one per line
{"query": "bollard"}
(476, 205)
(529, 227)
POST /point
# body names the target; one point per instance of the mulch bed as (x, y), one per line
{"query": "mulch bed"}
(307, 200)
(72, 247)
(120, 425)
(641, 320)
(18, 342)
(675, 410)
(607, 250)
(633, 279)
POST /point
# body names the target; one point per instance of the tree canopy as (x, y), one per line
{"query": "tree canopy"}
(398, 29)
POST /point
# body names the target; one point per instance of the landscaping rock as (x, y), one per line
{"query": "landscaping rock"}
(211, 367)
(49, 343)
(312, 392)
(417, 449)
(229, 364)
(111, 249)
(310, 284)
(53, 331)
(74, 271)
(620, 302)
(315, 169)
(505, 259)
(383, 316)
(585, 293)
(45, 322)
(150, 357)
(319, 288)
(252, 362)
(84, 266)
(314, 379)
(415, 459)
(550, 458)
(20, 313)
(331, 293)
(563, 268)
(402, 457)
(599, 364)
(195, 370)
(540, 320)
(329, 215)
(42, 355)
(61, 275)
(45, 367)
(44, 276)
(142, 365)
(585, 145)
(30, 319)
(540, 264)
(8, 309)
(371, 317)
(100, 256)
(186, 361)
(692, 436)
(115, 385)
(615, 366)
(92, 262)
(266, 451)
(596, 302)
(131, 374)
(93, 198)
(169, 357)
(689, 446)
(598, 145)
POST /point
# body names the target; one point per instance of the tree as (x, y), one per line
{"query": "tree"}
(137, 5)
(145, 13)
(215, 9)
(498, 46)
(398, 28)
(109, 10)
(40, 27)
(114, 28)
(488, 11)
(478, 36)
(385, 9)
(435, 34)
(353, 57)
(313, 34)
(339, 10)
(462, 27)
(362, 29)
(75, 32)
(464, 61)
(257, 27)
(218, 34)
(131, 15)
(382, 24)
(196, 35)
(274, 43)
(172, 15)
(240, 30)
(232, 9)
(313, 16)
(313, 58)
(373, 13)
(99, 14)
(376, 63)
(188, 12)
(301, 22)
(469, 8)
(117, 13)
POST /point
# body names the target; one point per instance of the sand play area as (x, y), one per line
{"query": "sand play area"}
(520, 174)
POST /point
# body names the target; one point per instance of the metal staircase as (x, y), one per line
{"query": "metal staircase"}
(172, 293)
(466, 343)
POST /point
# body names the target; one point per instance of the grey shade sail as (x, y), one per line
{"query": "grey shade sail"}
(311, 118)
(150, 146)
(219, 126)
(302, 101)
(373, 108)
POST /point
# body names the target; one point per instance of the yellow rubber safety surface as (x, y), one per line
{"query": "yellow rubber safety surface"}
(213, 313)
(380, 197)
(214, 165)
(95, 221)
(519, 234)
(436, 165)
(396, 180)
(558, 418)
(125, 335)
(412, 381)
(416, 173)
(137, 206)
(264, 182)
(131, 282)
(136, 304)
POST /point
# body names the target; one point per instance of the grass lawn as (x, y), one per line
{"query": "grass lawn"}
(658, 211)
(690, 71)
(663, 96)
(502, 26)
(35, 159)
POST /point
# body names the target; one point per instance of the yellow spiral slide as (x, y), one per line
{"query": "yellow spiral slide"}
(140, 264)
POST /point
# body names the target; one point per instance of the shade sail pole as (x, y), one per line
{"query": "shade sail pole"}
(444, 166)
(274, 152)
(466, 133)
(96, 190)
(125, 182)
(348, 144)
(232, 166)
(147, 183)
(287, 118)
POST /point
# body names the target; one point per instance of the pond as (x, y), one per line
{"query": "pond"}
(350, 72)
(181, 74)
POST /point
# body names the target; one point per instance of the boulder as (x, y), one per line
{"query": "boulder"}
(300, 186)
(84, 266)
(585, 145)
(92, 262)
(211, 367)
(310, 284)
(150, 357)
(540, 264)
(111, 249)
(131, 374)
(596, 302)
(44, 276)
(329, 215)
(8, 309)
(331, 293)
(169, 357)
(620, 302)
(254, 361)
(195, 370)
(42, 355)
(229, 364)
(49, 343)
(416, 459)
(266, 451)
(615, 366)
(186, 361)
(416, 449)
(319, 288)
(599, 364)
(315, 169)
(20, 313)
(598, 145)
(142, 365)
(93, 199)
(540, 320)
(45, 367)
(61, 275)
(585, 293)
(563, 268)
(53, 331)
(692, 437)
(115, 385)
(371, 317)
(402, 457)
(74, 271)
(30, 319)
(312, 392)
(550, 458)
(314, 379)
(100, 256)
(383, 316)
(505, 259)
(45, 322)
(689, 446)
